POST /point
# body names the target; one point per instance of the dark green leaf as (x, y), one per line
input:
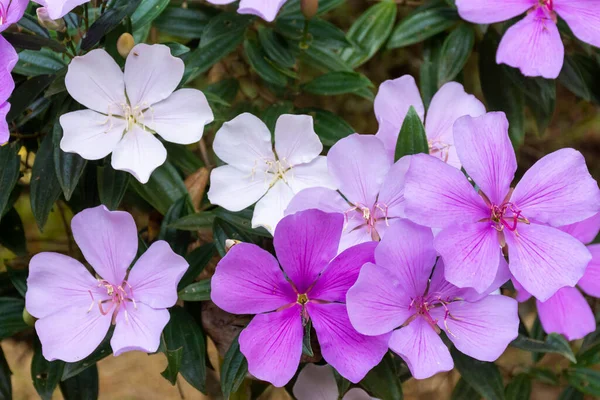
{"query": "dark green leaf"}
(329, 127)
(31, 24)
(428, 82)
(242, 221)
(183, 332)
(186, 23)
(198, 259)
(484, 377)
(58, 84)
(226, 89)
(292, 8)
(68, 166)
(18, 278)
(570, 393)
(258, 61)
(112, 185)
(455, 52)
(540, 97)
(544, 375)
(274, 111)
(34, 63)
(382, 381)
(81, 387)
(9, 172)
(194, 222)
(174, 358)
(177, 49)
(412, 138)
(102, 351)
(339, 82)
(5, 383)
(581, 75)
(183, 158)
(585, 380)
(342, 383)
(108, 21)
(197, 291)
(369, 32)
(45, 187)
(32, 42)
(12, 233)
(163, 189)
(589, 356)
(276, 48)
(176, 238)
(519, 388)
(11, 316)
(464, 391)
(421, 25)
(324, 59)
(554, 343)
(25, 94)
(223, 25)
(147, 12)
(320, 31)
(233, 370)
(45, 374)
(306, 345)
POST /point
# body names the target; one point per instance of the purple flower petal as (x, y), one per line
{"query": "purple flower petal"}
(583, 18)
(471, 254)
(590, 282)
(407, 251)
(358, 165)
(295, 139)
(522, 294)
(584, 231)
(305, 243)
(342, 273)
(558, 190)
(323, 199)
(355, 236)
(14, 10)
(486, 153)
(248, 280)
(394, 99)
(567, 313)
(266, 9)
(482, 329)
(422, 349)
(108, 241)
(545, 259)
(349, 352)
(8, 59)
(272, 344)
(316, 382)
(533, 45)
(378, 302)
(449, 104)
(503, 275)
(155, 276)
(138, 328)
(4, 131)
(438, 195)
(489, 11)
(391, 195)
(440, 287)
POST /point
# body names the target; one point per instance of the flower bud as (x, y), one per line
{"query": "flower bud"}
(229, 243)
(49, 23)
(28, 318)
(309, 8)
(125, 44)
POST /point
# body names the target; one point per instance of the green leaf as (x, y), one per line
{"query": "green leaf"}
(464, 391)
(540, 97)
(11, 316)
(45, 374)
(589, 356)
(194, 222)
(25, 94)
(112, 185)
(369, 32)
(233, 370)
(43, 62)
(274, 111)
(484, 377)
(306, 345)
(177, 49)
(428, 74)
(519, 388)
(183, 158)
(339, 82)
(18, 277)
(174, 358)
(68, 166)
(12, 233)
(223, 25)
(197, 291)
(322, 32)
(342, 383)
(81, 387)
(329, 127)
(242, 221)
(30, 23)
(554, 343)
(178, 240)
(10, 164)
(147, 12)
(585, 380)
(581, 75)
(292, 8)
(187, 23)
(276, 48)
(412, 138)
(102, 351)
(45, 187)
(163, 189)
(32, 42)
(198, 259)
(570, 393)
(5, 382)
(108, 21)
(382, 381)
(183, 332)
(323, 58)
(258, 61)
(455, 52)
(500, 93)
(223, 230)
(421, 25)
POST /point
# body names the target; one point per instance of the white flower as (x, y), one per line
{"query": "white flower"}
(128, 109)
(316, 382)
(257, 173)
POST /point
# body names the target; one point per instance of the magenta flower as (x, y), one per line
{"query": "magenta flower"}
(266, 9)
(11, 11)
(567, 312)
(75, 309)
(8, 60)
(533, 44)
(394, 99)
(312, 286)
(371, 188)
(59, 8)
(395, 292)
(556, 191)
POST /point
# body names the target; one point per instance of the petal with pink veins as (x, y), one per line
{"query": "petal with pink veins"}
(590, 282)
(391, 195)
(583, 18)
(491, 11)
(138, 327)
(567, 313)
(585, 231)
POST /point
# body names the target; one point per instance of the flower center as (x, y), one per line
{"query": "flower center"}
(547, 4)
(370, 216)
(424, 304)
(439, 149)
(133, 115)
(118, 295)
(302, 299)
(506, 216)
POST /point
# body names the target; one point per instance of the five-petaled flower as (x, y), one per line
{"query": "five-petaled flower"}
(394, 99)
(127, 109)
(533, 44)
(317, 382)
(8, 60)
(395, 292)
(256, 172)
(76, 310)
(312, 286)
(476, 225)
(371, 188)
(266, 9)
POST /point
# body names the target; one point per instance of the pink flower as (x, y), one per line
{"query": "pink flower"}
(8, 60)
(317, 382)
(394, 99)
(311, 284)
(11, 11)
(567, 312)
(266, 9)
(556, 191)
(395, 292)
(533, 44)
(75, 309)
(371, 189)
(59, 8)
(127, 109)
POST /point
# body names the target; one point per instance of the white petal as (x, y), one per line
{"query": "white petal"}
(244, 142)
(234, 189)
(313, 174)
(151, 74)
(96, 81)
(90, 134)
(316, 382)
(269, 210)
(295, 139)
(181, 117)
(139, 153)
